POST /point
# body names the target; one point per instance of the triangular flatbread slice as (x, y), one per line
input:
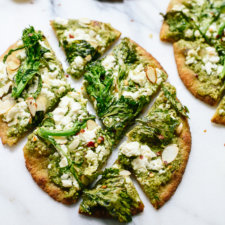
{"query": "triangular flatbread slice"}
(157, 149)
(200, 69)
(114, 196)
(65, 154)
(219, 116)
(83, 41)
(31, 82)
(122, 83)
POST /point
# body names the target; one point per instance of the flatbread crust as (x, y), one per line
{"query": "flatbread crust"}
(4, 126)
(217, 118)
(164, 32)
(188, 76)
(184, 141)
(37, 166)
(101, 212)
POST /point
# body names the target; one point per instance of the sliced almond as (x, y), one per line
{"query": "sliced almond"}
(32, 106)
(151, 74)
(41, 102)
(124, 173)
(13, 63)
(74, 144)
(6, 105)
(91, 125)
(170, 153)
(179, 128)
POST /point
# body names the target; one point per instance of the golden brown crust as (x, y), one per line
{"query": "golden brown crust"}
(141, 51)
(188, 76)
(216, 117)
(101, 212)
(164, 32)
(184, 142)
(37, 166)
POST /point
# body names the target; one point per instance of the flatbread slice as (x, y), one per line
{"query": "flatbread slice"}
(158, 148)
(31, 82)
(83, 41)
(219, 116)
(122, 83)
(114, 196)
(191, 20)
(65, 154)
(200, 68)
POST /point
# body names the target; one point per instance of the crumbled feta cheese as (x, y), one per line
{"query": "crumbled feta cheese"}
(197, 33)
(109, 62)
(130, 149)
(188, 33)
(67, 183)
(92, 160)
(18, 114)
(138, 75)
(61, 21)
(102, 152)
(156, 164)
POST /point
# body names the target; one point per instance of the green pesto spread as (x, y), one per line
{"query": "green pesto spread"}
(115, 193)
(152, 150)
(120, 84)
(83, 40)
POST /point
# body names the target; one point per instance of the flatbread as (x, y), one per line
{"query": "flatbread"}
(165, 32)
(219, 116)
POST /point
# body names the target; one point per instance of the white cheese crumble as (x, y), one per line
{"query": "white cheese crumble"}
(18, 114)
(61, 21)
(138, 75)
(63, 162)
(109, 62)
(92, 160)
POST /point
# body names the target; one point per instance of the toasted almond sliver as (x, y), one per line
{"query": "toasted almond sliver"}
(41, 102)
(91, 124)
(151, 74)
(179, 128)
(170, 153)
(13, 63)
(32, 106)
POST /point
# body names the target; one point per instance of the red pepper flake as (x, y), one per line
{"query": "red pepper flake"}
(91, 144)
(100, 140)
(104, 186)
(82, 131)
(71, 36)
(158, 153)
(161, 137)
(67, 75)
(30, 34)
(141, 156)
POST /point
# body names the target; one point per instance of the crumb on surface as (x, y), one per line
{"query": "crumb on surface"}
(150, 35)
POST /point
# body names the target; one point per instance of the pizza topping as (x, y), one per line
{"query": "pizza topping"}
(6, 103)
(32, 105)
(151, 74)
(170, 153)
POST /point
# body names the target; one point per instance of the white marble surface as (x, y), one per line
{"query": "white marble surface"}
(200, 198)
